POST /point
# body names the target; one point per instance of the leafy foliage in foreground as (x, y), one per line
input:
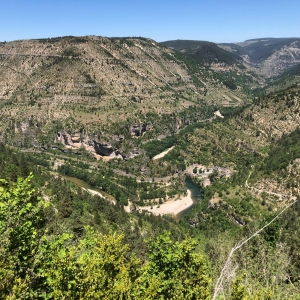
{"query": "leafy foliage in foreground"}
(66, 258)
(35, 264)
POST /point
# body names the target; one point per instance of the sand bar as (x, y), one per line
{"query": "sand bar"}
(172, 207)
(100, 195)
(162, 154)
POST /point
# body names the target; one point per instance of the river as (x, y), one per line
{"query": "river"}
(195, 195)
(195, 192)
(85, 185)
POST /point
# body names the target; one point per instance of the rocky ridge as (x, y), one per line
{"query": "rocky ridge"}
(269, 56)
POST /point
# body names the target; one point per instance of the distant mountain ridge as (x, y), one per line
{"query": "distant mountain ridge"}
(260, 49)
(203, 51)
(269, 56)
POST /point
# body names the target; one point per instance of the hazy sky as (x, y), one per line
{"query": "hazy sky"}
(161, 20)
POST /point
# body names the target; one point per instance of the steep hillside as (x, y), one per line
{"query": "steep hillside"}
(271, 56)
(251, 131)
(295, 70)
(266, 57)
(233, 48)
(203, 52)
(229, 67)
(98, 90)
(248, 163)
(158, 119)
(290, 78)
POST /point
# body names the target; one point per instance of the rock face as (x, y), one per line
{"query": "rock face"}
(282, 59)
(139, 129)
(75, 138)
(131, 154)
(25, 128)
(64, 138)
(132, 207)
(213, 204)
(95, 147)
(239, 220)
(103, 148)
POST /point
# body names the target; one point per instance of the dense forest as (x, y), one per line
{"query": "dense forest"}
(59, 241)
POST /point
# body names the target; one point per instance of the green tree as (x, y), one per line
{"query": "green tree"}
(35, 264)
(20, 221)
(98, 267)
(174, 271)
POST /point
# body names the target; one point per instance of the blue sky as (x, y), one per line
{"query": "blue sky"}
(161, 20)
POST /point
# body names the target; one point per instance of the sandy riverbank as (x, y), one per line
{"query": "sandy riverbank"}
(162, 154)
(100, 195)
(94, 192)
(172, 207)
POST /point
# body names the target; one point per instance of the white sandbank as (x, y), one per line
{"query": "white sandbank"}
(162, 154)
(173, 207)
(100, 195)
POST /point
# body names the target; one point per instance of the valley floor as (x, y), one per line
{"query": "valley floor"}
(173, 207)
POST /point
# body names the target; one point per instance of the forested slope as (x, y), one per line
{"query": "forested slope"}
(59, 241)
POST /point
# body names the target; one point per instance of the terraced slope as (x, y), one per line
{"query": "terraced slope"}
(91, 86)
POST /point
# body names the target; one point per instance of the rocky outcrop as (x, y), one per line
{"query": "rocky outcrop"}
(194, 221)
(104, 149)
(213, 204)
(24, 128)
(131, 154)
(95, 147)
(64, 138)
(132, 207)
(76, 138)
(139, 129)
(239, 220)
(281, 59)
